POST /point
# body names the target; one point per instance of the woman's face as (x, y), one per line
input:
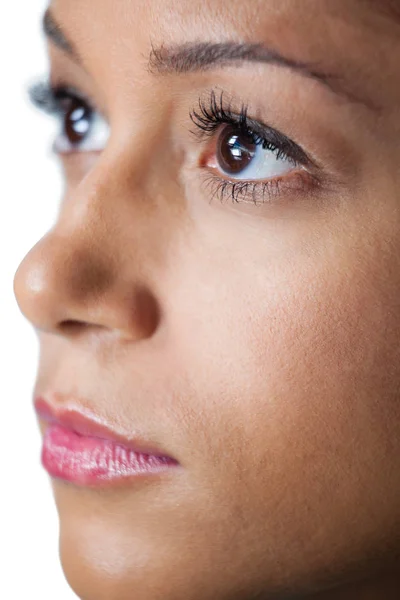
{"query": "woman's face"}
(224, 279)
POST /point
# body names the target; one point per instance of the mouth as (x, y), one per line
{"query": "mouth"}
(79, 449)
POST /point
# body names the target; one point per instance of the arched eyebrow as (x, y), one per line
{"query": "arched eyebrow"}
(55, 34)
(199, 56)
(192, 57)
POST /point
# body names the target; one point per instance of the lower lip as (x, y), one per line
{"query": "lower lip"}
(89, 461)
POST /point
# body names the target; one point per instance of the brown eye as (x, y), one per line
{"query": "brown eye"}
(235, 150)
(77, 121)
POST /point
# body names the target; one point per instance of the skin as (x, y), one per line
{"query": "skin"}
(259, 344)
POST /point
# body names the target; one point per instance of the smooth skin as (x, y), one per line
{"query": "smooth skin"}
(257, 342)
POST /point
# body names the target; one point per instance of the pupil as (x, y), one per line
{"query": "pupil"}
(236, 150)
(77, 122)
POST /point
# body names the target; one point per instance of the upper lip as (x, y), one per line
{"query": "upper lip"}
(87, 423)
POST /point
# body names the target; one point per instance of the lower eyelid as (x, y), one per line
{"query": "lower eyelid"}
(300, 181)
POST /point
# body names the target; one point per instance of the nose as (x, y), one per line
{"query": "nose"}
(90, 270)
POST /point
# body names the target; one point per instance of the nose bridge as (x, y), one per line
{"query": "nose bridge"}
(89, 269)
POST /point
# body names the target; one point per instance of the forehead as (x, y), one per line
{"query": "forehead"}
(313, 22)
(238, 11)
(338, 36)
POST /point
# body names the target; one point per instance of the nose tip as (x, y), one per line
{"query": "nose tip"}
(61, 289)
(33, 291)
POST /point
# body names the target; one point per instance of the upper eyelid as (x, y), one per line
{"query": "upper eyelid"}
(214, 112)
(260, 129)
(48, 98)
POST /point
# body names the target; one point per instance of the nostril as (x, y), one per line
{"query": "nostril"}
(71, 291)
(148, 312)
(72, 328)
(132, 317)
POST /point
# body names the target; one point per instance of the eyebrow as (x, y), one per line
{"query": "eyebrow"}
(191, 57)
(54, 33)
(199, 56)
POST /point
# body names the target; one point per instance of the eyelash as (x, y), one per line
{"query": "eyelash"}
(212, 113)
(57, 101)
(53, 99)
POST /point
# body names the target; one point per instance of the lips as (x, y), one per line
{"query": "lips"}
(80, 449)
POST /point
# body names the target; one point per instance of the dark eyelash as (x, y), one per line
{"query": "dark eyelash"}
(54, 100)
(214, 112)
(257, 191)
(235, 190)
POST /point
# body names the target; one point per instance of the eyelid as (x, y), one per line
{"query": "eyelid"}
(261, 192)
(47, 96)
(212, 112)
(61, 100)
(210, 118)
(278, 139)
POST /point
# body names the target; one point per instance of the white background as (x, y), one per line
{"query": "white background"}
(30, 195)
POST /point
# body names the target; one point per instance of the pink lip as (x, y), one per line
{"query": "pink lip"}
(79, 449)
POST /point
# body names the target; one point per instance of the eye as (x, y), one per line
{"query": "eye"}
(248, 159)
(242, 155)
(82, 128)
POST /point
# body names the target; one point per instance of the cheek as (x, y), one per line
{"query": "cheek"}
(297, 373)
(326, 322)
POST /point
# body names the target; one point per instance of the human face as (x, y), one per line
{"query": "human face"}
(229, 292)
